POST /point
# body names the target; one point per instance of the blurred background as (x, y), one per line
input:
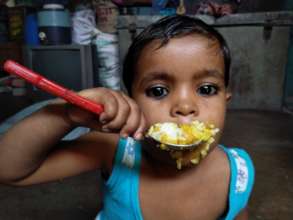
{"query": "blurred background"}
(82, 44)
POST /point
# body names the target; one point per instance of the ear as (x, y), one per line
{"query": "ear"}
(228, 96)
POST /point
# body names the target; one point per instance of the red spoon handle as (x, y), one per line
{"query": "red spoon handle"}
(51, 87)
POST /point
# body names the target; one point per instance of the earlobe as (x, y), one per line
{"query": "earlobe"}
(228, 96)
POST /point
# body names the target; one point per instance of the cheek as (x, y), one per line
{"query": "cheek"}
(152, 111)
(144, 107)
(153, 114)
(217, 118)
(147, 113)
(214, 113)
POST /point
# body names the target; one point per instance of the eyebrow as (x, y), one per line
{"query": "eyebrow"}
(156, 76)
(213, 73)
(209, 73)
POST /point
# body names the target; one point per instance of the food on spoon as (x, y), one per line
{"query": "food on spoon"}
(182, 134)
(195, 132)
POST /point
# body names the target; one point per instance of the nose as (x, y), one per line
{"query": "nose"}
(185, 108)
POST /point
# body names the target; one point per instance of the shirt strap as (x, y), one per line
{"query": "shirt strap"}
(241, 180)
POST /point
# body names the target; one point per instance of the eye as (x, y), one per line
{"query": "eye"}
(157, 92)
(208, 90)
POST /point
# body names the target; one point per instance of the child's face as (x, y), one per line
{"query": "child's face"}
(182, 81)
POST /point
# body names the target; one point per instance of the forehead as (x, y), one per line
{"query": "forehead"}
(192, 53)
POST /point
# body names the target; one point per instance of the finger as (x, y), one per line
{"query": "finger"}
(105, 97)
(122, 114)
(139, 133)
(133, 120)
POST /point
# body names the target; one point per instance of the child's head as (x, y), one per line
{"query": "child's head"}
(165, 29)
(177, 70)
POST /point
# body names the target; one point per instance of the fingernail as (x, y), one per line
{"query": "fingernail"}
(138, 136)
(102, 119)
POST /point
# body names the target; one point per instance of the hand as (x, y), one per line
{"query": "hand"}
(121, 113)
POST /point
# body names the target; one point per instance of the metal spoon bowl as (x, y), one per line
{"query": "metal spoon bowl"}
(177, 147)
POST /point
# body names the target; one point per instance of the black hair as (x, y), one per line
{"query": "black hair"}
(165, 29)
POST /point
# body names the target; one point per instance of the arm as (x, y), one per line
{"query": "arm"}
(31, 151)
(26, 144)
(73, 158)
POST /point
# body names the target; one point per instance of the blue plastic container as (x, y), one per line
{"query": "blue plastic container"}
(54, 25)
(31, 30)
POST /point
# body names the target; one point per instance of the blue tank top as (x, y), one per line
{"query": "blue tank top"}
(121, 196)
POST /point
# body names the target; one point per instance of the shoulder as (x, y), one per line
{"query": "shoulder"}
(242, 168)
(241, 180)
(128, 153)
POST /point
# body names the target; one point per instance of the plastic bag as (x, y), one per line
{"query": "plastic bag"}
(83, 26)
(108, 59)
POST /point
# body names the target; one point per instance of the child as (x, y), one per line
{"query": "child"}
(176, 70)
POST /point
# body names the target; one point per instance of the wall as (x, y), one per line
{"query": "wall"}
(246, 6)
(258, 66)
(260, 5)
(258, 43)
(288, 85)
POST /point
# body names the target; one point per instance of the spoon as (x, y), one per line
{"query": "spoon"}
(70, 96)
(179, 137)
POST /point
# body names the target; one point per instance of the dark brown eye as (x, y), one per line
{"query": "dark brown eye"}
(157, 92)
(207, 90)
